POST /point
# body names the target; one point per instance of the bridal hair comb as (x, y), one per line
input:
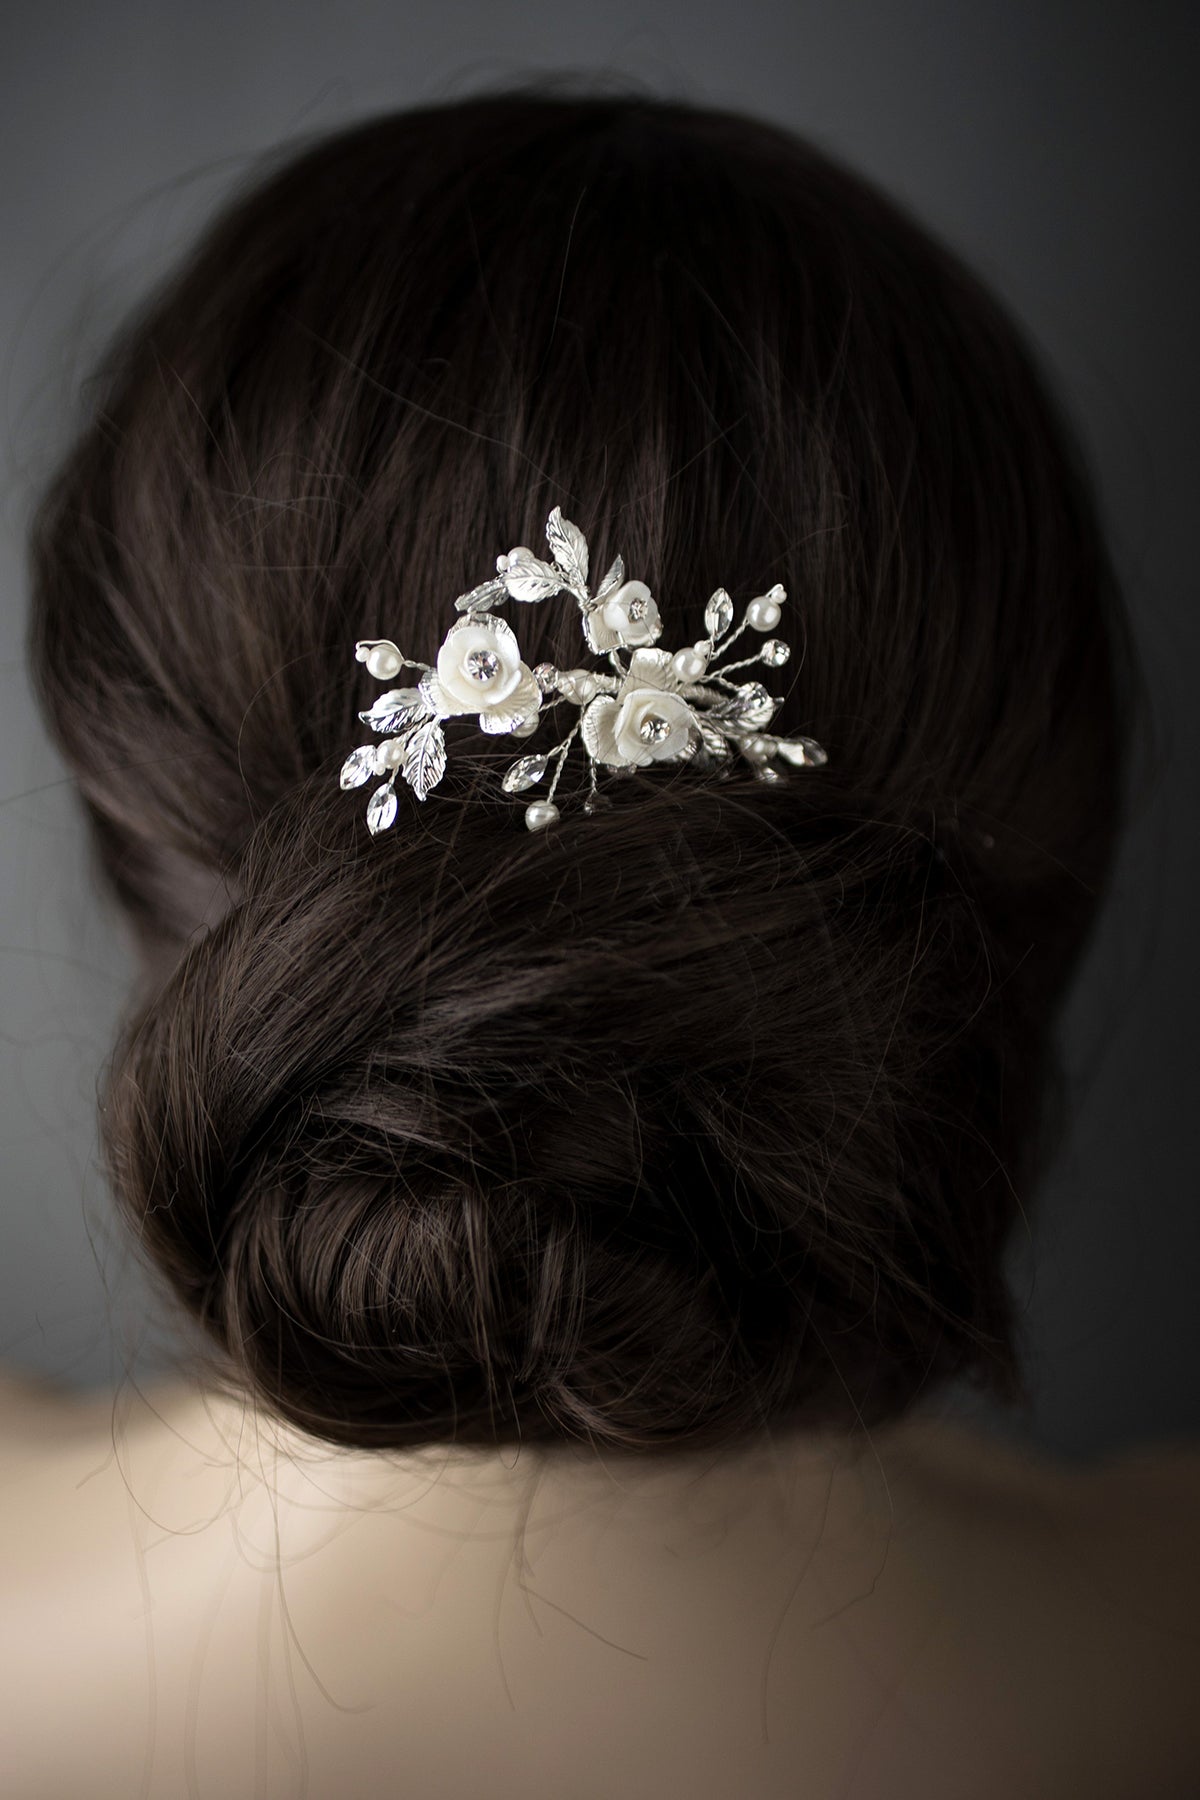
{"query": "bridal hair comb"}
(657, 707)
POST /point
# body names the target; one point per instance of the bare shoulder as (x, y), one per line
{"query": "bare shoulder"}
(972, 1454)
(1165, 1473)
(1135, 1517)
(1120, 1491)
(1136, 1510)
(1077, 1585)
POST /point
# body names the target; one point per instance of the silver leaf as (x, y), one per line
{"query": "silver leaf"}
(569, 548)
(524, 773)
(750, 704)
(500, 719)
(396, 709)
(359, 766)
(651, 666)
(598, 636)
(381, 810)
(718, 614)
(530, 579)
(428, 687)
(424, 761)
(483, 596)
(712, 740)
(803, 751)
(393, 697)
(612, 579)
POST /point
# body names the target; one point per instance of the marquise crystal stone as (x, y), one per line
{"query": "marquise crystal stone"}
(359, 766)
(718, 614)
(524, 773)
(803, 751)
(382, 808)
(754, 706)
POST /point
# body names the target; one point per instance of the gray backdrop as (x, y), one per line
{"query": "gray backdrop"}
(1054, 144)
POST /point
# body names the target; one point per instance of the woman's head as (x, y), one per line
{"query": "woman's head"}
(710, 1110)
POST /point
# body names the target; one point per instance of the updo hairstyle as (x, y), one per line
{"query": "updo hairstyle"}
(713, 1110)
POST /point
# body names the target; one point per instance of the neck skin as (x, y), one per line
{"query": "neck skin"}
(736, 1503)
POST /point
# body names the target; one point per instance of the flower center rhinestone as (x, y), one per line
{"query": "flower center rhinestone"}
(636, 609)
(482, 664)
(653, 729)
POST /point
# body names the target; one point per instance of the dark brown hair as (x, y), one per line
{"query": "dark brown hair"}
(706, 1112)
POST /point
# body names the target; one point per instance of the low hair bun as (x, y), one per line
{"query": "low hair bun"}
(620, 1132)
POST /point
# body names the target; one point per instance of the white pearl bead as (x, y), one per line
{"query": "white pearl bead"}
(577, 684)
(689, 665)
(388, 754)
(540, 813)
(763, 614)
(383, 663)
(527, 729)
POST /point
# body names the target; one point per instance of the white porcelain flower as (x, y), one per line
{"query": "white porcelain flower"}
(646, 721)
(479, 670)
(629, 717)
(629, 616)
